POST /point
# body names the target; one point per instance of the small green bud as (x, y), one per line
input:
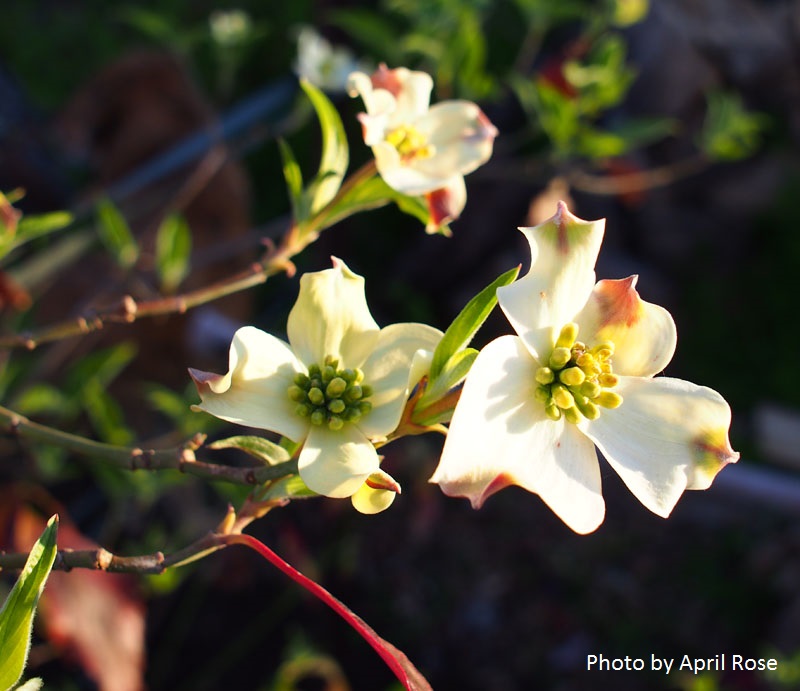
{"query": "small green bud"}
(303, 409)
(318, 416)
(604, 350)
(335, 423)
(301, 380)
(544, 375)
(609, 399)
(328, 373)
(352, 415)
(336, 387)
(552, 411)
(559, 357)
(588, 409)
(353, 393)
(572, 376)
(316, 396)
(608, 380)
(563, 398)
(348, 375)
(542, 394)
(337, 405)
(331, 361)
(366, 391)
(569, 332)
(296, 393)
(591, 389)
(364, 407)
(313, 371)
(572, 415)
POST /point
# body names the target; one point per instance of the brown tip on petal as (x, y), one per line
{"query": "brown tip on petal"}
(384, 78)
(382, 480)
(712, 452)
(441, 207)
(202, 380)
(618, 301)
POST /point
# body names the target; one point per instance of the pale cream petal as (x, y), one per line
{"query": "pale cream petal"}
(500, 436)
(370, 501)
(396, 358)
(643, 334)
(402, 176)
(331, 317)
(563, 254)
(462, 138)
(254, 390)
(413, 94)
(667, 436)
(336, 463)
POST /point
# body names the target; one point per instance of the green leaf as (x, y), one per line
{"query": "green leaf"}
(42, 399)
(335, 153)
(373, 194)
(452, 374)
(469, 320)
(294, 181)
(173, 251)
(116, 234)
(16, 617)
(730, 132)
(34, 226)
(263, 449)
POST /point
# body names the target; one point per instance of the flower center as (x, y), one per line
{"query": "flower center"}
(577, 380)
(330, 396)
(409, 142)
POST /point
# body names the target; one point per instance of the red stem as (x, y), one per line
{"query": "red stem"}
(389, 654)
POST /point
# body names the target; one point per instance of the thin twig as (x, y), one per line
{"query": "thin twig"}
(181, 458)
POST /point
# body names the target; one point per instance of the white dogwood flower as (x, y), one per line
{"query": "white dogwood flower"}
(581, 373)
(421, 149)
(340, 383)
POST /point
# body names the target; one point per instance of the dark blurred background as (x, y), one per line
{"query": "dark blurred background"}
(677, 121)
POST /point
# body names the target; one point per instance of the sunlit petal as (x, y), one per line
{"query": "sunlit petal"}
(461, 136)
(500, 436)
(371, 501)
(563, 253)
(331, 317)
(336, 463)
(254, 390)
(667, 436)
(643, 334)
(387, 372)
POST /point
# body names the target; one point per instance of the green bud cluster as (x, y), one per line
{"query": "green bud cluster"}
(330, 396)
(576, 381)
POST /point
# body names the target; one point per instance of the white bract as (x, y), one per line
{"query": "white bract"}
(323, 64)
(579, 374)
(338, 385)
(421, 149)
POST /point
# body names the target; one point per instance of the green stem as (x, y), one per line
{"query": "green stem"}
(181, 458)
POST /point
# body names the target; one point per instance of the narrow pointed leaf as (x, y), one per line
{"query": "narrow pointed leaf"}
(466, 324)
(263, 449)
(373, 194)
(173, 251)
(16, 617)
(335, 152)
(452, 374)
(116, 234)
(294, 181)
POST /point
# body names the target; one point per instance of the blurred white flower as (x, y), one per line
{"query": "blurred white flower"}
(323, 64)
